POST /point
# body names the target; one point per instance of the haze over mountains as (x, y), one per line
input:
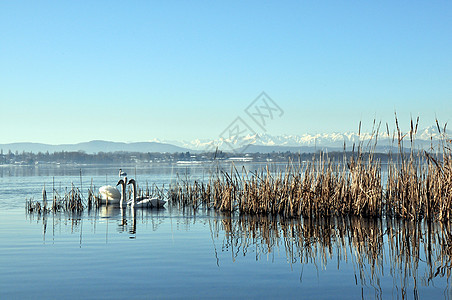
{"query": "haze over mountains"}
(252, 143)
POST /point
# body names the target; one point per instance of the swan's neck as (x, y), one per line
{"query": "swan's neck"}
(123, 194)
(124, 186)
(134, 190)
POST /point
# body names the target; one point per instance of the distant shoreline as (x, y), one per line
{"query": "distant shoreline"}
(183, 158)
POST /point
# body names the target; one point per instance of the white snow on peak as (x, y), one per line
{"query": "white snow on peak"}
(335, 139)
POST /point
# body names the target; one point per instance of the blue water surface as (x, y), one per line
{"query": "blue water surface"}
(176, 253)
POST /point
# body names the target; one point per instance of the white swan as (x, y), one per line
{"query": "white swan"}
(146, 202)
(122, 174)
(109, 194)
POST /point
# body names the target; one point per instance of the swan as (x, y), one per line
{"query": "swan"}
(109, 194)
(122, 202)
(122, 174)
(146, 202)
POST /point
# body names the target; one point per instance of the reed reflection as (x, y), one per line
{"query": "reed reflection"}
(410, 254)
(414, 252)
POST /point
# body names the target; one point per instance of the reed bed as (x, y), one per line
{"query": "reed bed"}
(71, 201)
(315, 189)
(418, 186)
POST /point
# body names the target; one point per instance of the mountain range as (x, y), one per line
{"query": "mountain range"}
(263, 143)
(93, 147)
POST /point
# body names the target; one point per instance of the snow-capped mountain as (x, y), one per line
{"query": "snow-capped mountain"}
(335, 141)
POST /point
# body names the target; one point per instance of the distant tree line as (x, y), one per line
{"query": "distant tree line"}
(85, 158)
(81, 157)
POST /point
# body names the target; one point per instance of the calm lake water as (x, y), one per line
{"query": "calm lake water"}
(175, 253)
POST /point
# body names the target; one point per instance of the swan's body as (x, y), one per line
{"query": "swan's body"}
(109, 194)
(146, 202)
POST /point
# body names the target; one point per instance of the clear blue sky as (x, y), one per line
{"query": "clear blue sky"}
(74, 71)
